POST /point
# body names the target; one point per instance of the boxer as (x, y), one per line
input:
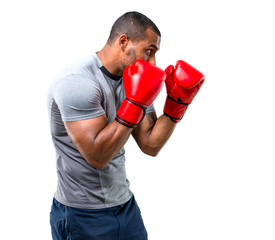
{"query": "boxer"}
(94, 106)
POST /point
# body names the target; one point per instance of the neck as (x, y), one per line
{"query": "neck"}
(110, 59)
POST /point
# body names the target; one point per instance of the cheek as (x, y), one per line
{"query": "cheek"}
(140, 53)
(129, 58)
(143, 56)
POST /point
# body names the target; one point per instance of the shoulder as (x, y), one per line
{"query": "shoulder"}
(76, 88)
(85, 68)
(80, 75)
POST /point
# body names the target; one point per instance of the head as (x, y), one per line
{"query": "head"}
(136, 37)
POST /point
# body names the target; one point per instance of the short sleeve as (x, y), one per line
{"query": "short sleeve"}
(78, 98)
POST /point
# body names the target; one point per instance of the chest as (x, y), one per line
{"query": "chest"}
(113, 95)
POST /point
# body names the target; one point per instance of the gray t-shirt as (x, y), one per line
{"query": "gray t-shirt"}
(82, 91)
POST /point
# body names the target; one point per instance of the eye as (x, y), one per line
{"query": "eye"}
(149, 52)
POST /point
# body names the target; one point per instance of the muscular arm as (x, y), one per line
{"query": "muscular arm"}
(96, 141)
(152, 133)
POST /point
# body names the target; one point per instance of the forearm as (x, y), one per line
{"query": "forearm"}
(152, 135)
(109, 142)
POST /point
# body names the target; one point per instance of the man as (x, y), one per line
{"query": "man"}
(93, 112)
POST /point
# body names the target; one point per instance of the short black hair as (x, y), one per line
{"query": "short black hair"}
(134, 25)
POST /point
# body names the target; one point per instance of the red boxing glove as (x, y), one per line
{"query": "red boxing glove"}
(182, 84)
(142, 83)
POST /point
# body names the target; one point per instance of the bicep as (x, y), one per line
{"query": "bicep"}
(84, 132)
(79, 102)
(96, 140)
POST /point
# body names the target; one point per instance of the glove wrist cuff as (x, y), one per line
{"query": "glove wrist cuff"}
(174, 109)
(130, 114)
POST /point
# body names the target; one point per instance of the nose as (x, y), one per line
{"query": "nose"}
(152, 61)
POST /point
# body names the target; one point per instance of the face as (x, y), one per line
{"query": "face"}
(145, 49)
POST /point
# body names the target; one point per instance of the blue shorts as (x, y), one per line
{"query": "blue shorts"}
(123, 222)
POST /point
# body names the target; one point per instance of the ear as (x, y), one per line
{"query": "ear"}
(123, 41)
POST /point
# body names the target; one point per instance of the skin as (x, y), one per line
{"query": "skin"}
(99, 142)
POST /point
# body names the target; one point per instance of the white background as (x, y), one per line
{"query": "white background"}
(214, 179)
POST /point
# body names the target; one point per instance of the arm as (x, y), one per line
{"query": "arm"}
(152, 134)
(182, 85)
(96, 141)
(79, 102)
